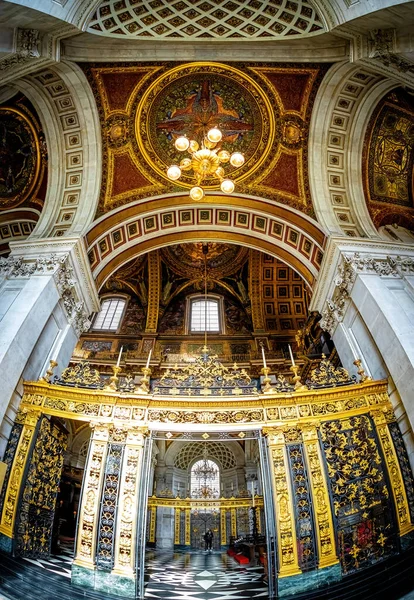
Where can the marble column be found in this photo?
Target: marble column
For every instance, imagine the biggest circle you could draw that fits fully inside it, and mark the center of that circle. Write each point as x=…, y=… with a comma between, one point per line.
x=365, y=294
x=165, y=527
x=46, y=296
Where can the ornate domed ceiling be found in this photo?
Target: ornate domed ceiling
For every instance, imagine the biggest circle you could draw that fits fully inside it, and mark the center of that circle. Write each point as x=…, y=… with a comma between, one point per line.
x=192, y=99
x=195, y=19
x=263, y=110
x=188, y=259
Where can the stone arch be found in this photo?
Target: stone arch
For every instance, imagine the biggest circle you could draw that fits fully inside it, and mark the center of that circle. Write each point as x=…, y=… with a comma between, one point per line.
x=343, y=105
x=177, y=446
x=67, y=110
x=281, y=231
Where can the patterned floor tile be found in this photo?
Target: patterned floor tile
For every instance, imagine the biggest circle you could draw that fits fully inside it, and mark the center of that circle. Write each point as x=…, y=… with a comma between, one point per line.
x=180, y=575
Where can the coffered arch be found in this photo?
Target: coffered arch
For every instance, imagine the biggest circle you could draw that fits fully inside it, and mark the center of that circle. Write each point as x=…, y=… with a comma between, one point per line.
x=182, y=455
x=68, y=113
x=260, y=224
x=343, y=106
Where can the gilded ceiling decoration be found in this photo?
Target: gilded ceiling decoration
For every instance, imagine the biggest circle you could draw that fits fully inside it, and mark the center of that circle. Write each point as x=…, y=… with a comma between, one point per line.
x=212, y=19
x=23, y=169
x=188, y=259
x=20, y=158
x=389, y=159
x=263, y=111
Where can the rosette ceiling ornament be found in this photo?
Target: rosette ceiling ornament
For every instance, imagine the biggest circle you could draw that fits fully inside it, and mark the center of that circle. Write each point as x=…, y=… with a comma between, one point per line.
x=206, y=160
x=205, y=126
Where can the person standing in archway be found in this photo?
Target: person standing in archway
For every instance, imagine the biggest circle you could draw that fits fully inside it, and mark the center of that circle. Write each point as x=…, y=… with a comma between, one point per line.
x=208, y=538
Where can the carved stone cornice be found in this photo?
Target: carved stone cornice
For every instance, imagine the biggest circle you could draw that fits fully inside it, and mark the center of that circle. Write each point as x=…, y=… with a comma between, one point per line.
x=32, y=51
x=383, y=44
x=376, y=50
x=348, y=269
x=65, y=261
x=17, y=266
x=58, y=266
x=338, y=247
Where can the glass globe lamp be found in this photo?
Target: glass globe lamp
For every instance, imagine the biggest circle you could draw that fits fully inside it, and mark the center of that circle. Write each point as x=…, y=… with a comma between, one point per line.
x=182, y=143
x=174, y=173
x=196, y=193
x=185, y=164
x=224, y=156
x=237, y=159
x=214, y=135
x=227, y=186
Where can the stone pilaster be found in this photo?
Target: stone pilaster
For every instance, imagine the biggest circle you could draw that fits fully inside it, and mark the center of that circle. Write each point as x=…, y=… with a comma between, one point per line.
x=286, y=532
x=89, y=505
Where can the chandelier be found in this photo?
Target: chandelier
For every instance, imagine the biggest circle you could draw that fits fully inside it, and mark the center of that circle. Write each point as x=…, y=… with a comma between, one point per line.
x=205, y=473
x=205, y=161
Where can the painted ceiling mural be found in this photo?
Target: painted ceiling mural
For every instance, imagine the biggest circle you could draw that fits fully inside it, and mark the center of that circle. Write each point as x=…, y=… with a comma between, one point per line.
x=262, y=109
x=388, y=161
x=23, y=169
x=201, y=19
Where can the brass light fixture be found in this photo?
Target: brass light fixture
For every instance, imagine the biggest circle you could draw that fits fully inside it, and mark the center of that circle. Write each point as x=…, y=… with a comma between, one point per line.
x=206, y=162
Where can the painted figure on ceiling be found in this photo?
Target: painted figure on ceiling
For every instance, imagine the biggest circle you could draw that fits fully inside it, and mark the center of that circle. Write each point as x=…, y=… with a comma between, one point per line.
x=204, y=109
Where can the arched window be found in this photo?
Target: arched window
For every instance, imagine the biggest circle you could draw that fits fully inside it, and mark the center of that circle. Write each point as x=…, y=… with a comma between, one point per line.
x=205, y=479
x=109, y=317
x=205, y=315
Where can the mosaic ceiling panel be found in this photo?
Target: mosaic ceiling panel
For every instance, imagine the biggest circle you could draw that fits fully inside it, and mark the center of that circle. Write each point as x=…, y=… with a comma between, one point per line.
x=389, y=160
x=200, y=19
x=188, y=259
x=263, y=111
x=23, y=170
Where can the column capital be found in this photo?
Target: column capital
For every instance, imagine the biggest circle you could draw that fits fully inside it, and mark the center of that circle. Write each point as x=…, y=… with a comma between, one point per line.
x=66, y=260
x=344, y=260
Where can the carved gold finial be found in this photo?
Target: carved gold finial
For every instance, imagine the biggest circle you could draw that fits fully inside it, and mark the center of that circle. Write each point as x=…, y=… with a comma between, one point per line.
x=266, y=380
x=144, y=387
x=46, y=377
x=299, y=387
x=362, y=375
x=113, y=386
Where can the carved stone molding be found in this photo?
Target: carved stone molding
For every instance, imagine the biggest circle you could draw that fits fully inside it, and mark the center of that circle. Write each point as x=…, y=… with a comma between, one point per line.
x=59, y=267
x=75, y=309
x=351, y=265
x=383, y=44
x=28, y=42
x=17, y=266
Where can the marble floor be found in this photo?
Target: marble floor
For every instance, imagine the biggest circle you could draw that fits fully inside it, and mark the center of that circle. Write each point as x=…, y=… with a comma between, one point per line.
x=201, y=576
x=188, y=575
x=60, y=563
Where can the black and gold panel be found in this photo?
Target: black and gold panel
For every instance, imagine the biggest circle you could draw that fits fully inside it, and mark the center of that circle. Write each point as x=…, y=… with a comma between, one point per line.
x=36, y=510
x=9, y=457
x=360, y=493
x=404, y=463
x=389, y=159
x=105, y=550
x=302, y=501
